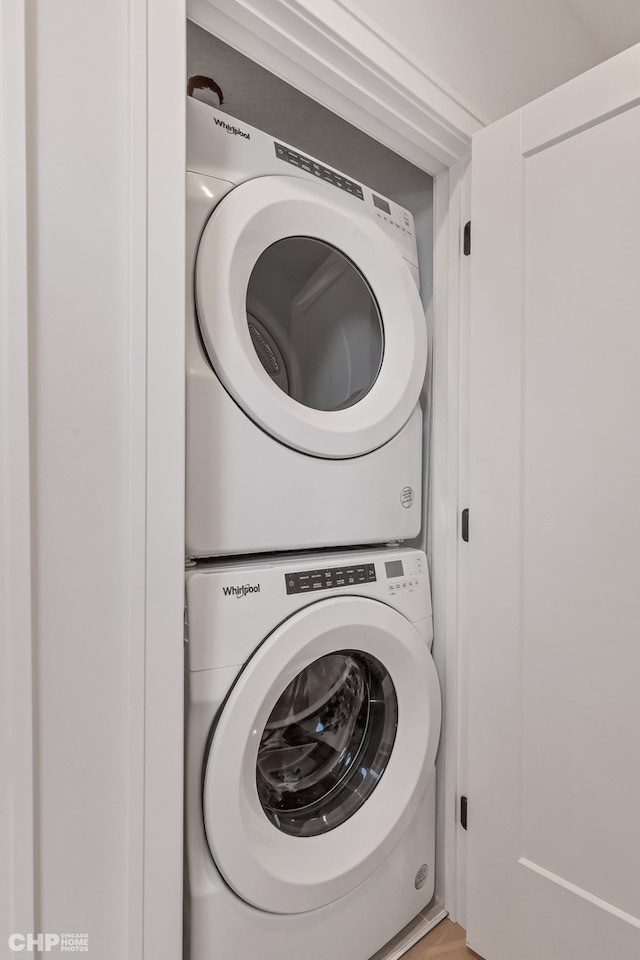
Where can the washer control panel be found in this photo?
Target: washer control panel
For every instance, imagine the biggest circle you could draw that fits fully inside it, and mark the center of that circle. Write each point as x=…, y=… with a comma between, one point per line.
x=307, y=581
x=403, y=574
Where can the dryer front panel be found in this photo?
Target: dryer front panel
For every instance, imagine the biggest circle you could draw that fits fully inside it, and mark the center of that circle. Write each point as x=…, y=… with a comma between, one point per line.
x=310, y=317
x=321, y=754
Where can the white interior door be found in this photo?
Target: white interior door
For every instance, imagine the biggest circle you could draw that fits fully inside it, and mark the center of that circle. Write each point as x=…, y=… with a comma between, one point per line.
x=554, y=636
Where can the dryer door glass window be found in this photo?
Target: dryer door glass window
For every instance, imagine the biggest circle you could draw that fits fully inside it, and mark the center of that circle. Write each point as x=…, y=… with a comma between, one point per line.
x=314, y=323
x=326, y=743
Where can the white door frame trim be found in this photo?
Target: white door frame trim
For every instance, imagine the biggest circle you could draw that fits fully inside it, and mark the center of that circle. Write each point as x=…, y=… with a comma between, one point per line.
x=158, y=390
x=17, y=882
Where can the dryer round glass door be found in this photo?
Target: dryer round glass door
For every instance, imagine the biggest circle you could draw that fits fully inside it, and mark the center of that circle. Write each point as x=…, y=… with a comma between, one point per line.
x=314, y=323
x=321, y=754
x=310, y=316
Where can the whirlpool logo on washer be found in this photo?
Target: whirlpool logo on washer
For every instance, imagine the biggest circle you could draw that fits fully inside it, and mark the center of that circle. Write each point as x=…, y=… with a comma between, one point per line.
x=236, y=131
x=241, y=591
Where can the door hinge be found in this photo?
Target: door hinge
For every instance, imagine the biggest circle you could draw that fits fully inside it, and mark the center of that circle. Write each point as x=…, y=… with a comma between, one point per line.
x=464, y=525
x=466, y=242
x=464, y=806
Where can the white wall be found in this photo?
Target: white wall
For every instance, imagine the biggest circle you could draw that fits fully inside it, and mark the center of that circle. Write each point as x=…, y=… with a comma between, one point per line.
x=615, y=24
x=496, y=55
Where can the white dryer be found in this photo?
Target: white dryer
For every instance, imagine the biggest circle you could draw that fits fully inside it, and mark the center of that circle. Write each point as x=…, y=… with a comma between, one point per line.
x=306, y=350
x=313, y=717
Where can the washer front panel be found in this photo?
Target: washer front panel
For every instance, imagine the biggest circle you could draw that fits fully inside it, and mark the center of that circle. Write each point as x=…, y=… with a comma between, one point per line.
x=254, y=217
x=289, y=872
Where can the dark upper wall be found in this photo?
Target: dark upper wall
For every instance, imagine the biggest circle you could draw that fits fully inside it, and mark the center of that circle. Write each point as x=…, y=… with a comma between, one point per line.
x=261, y=99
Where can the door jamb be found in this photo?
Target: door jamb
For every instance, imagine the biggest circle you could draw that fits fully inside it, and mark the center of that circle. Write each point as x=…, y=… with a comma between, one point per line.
x=17, y=842
x=342, y=60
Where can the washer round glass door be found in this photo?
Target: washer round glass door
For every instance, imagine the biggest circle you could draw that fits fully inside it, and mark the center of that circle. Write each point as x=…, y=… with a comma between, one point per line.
x=326, y=743
x=321, y=754
x=310, y=316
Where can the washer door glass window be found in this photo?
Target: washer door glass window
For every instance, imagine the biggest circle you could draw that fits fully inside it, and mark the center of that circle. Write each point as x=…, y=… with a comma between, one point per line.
x=326, y=743
x=314, y=323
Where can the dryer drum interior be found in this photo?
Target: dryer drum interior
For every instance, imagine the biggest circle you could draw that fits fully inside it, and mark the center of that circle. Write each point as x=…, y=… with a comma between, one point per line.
x=314, y=323
x=326, y=743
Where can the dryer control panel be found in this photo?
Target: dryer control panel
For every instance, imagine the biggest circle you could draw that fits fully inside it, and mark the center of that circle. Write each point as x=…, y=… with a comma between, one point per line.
x=326, y=174
x=231, y=150
x=389, y=214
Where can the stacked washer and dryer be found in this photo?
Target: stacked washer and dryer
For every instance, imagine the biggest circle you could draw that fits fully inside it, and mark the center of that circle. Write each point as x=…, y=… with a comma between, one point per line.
x=313, y=705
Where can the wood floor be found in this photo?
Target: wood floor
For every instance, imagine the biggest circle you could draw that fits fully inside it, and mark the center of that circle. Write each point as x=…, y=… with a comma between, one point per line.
x=444, y=942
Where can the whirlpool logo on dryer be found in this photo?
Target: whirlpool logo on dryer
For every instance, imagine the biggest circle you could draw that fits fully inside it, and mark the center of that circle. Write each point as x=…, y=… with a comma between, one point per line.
x=241, y=591
x=236, y=131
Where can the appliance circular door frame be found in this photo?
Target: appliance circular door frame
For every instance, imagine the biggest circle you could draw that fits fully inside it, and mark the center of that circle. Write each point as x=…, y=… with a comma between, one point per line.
x=251, y=218
x=280, y=873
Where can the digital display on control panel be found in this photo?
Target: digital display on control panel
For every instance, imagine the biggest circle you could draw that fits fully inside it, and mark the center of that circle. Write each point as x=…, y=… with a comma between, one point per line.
x=394, y=568
x=308, y=581
x=318, y=170
x=381, y=204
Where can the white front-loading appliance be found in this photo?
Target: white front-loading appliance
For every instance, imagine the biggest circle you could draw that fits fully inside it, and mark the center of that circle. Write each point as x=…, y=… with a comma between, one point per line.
x=313, y=716
x=306, y=350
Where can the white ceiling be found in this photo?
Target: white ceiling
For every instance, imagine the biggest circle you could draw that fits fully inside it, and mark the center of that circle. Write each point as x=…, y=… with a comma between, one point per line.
x=497, y=55
x=614, y=24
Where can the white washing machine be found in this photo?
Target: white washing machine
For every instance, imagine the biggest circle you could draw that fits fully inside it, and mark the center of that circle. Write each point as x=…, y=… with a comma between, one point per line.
x=313, y=717
x=306, y=350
